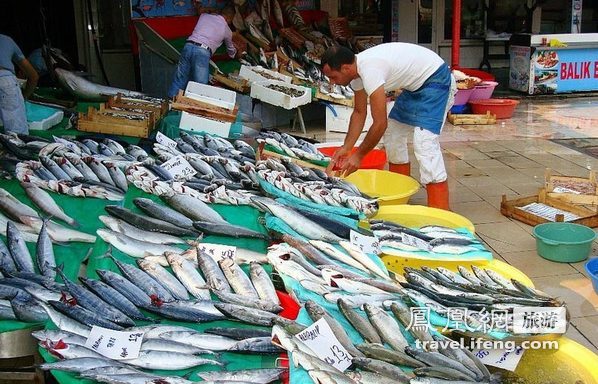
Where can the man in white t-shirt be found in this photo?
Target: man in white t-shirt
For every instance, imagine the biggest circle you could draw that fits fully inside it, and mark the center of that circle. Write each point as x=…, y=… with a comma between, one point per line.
x=427, y=93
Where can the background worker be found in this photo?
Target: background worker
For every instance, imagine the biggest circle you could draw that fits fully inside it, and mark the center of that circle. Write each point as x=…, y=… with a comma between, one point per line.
x=209, y=33
x=427, y=93
x=12, y=103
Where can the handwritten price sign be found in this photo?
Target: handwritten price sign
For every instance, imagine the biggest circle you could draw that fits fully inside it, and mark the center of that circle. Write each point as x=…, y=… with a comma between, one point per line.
x=218, y=251
x=321, y=340
x=179, y=168
x=368, y=244
x=502, y=358
x=165, y=140
x=116, y=345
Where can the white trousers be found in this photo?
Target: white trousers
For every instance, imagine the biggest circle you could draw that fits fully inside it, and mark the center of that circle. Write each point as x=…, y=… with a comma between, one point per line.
x=426, y=145
x=12, y=106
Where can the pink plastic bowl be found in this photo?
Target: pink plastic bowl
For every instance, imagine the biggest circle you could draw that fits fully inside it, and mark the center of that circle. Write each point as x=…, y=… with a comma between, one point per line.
x=462, y=96
x=483, y=91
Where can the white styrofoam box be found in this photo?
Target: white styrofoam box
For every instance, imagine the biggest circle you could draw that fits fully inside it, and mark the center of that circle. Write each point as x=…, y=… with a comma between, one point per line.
x=260, y=90
x=41, y=117
x=250, y=73
x=340, y=122
x=214, y=95
x=196, y=123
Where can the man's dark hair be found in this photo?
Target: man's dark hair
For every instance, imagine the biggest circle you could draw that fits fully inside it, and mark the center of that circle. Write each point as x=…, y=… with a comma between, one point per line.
x=336, y=56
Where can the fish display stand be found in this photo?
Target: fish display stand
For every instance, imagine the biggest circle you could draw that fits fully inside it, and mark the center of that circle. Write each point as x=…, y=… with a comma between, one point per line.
x=510, y=208
x=18, y=352
x=574, y=190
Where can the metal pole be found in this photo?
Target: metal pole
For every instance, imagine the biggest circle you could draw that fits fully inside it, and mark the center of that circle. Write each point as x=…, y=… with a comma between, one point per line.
x=456, y=41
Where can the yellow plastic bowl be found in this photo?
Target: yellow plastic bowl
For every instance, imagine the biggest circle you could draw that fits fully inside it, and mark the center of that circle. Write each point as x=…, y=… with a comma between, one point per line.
x=415, y=216
x=572, y=363
x=390, y=188
x=397, y=265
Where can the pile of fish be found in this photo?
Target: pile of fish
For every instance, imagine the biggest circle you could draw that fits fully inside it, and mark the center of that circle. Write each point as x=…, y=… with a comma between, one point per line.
x=26, y=223
x=16, y=147
x=160, y=227
x=83, y=168
x=432, y=238
x=116, y=301
x=291, y=146
x=372, y=361
x=473, y=295
x=314, y=186
x=293, y=92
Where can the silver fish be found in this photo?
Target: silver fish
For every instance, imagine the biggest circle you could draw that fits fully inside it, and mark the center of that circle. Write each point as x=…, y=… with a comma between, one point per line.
x=47, y=204
x=87, y=90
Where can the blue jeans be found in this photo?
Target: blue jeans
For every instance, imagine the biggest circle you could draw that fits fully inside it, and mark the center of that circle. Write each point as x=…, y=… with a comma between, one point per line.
x=12, y=106
x=194, y=64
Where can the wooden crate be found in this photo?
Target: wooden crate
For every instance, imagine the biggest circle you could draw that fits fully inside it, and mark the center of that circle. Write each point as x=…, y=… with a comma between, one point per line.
x=470, y=119
x=509, y=208
x=197, y=107
x=94, y=121
x=105, y=109
x=590, y=197
x=241, y=86
x=127, y=103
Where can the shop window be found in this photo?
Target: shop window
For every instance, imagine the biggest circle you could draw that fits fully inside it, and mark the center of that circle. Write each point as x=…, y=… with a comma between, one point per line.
x=472, y=19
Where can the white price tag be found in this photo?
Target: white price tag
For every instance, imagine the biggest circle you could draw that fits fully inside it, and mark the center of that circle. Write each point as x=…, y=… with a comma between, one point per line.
x=113, y=344
x=415, y=242
x=321, y=340
x=165, y=140
x=501, y=358
x=368, y=244
x=218, y=251
x=179, y=168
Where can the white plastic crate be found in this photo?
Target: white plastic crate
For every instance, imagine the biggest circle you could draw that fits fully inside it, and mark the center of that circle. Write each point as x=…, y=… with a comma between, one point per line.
x=260, y=90
x=251, y=74
x=214, y=95
x=340, y=122
x=196, y=123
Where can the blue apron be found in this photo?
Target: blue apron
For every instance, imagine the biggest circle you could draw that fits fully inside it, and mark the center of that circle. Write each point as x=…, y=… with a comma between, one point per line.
x=425, y=107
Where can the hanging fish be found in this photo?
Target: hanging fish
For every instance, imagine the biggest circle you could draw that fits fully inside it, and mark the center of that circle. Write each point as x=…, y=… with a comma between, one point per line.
x=267, y=30
x=264, y=11
x=263, y=59
x=278, y=13
x=238, y=21
x=255, y=32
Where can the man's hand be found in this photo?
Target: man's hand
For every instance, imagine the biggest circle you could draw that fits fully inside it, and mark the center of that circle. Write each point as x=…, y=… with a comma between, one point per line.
x=338, y=160
x=352, y=164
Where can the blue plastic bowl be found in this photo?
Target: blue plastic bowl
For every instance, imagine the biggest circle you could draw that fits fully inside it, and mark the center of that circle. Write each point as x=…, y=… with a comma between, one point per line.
x=592, y=270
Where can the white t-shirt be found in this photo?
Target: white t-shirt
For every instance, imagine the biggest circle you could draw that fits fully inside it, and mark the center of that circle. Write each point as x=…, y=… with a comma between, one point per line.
x=396, y=66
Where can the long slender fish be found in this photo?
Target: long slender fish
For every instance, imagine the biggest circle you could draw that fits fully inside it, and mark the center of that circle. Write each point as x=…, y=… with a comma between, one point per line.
x=47, y=204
